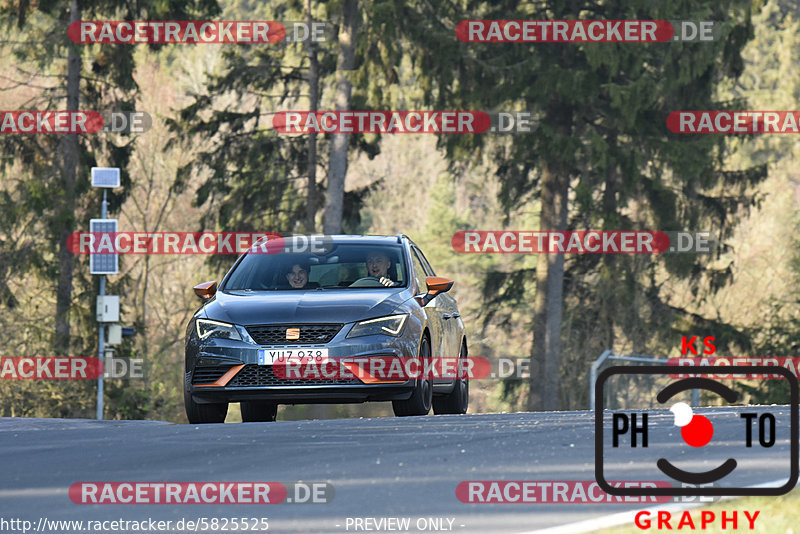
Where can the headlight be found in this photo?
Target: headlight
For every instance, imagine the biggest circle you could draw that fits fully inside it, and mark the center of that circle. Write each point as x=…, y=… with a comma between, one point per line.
x=207, y=328
x=391, y=325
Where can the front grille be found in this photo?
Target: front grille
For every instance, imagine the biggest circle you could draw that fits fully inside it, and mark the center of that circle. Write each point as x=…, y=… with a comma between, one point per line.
x=310, y=334
x=262, y=375
x=208, y=375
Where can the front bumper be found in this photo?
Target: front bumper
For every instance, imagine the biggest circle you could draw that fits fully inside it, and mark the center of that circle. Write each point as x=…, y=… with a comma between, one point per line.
x=311, y=394
x=223, y=370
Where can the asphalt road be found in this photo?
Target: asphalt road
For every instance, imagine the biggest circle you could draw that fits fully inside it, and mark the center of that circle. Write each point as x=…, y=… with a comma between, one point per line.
x=379, y=468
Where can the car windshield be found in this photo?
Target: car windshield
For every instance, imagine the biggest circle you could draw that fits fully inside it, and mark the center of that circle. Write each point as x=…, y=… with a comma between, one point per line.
x=342, y=266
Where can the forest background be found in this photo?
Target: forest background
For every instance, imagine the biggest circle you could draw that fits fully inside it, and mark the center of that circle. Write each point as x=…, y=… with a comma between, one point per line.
x=601, y=158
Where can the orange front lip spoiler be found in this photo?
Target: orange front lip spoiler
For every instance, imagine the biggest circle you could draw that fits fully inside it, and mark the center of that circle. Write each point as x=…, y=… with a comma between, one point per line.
x=224, y=379
x=365, y=377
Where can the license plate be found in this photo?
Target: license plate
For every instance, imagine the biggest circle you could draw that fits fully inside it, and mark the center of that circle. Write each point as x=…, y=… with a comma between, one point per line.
x=270, y=356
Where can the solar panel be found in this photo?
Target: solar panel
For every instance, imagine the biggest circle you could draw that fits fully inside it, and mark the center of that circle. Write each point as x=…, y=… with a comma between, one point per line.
x=105, y=177
x=103, y=263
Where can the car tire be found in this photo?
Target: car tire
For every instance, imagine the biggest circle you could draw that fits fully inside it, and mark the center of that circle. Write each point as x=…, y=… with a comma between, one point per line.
x=258, y=411
x=457, y=401
x=203, y=413
x=421, y=400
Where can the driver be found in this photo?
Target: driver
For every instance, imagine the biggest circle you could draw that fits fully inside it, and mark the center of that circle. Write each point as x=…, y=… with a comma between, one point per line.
x=378, y=265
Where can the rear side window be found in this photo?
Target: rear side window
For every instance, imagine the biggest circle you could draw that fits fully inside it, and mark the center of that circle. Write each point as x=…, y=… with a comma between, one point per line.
x=419, y=271
x=425, y=264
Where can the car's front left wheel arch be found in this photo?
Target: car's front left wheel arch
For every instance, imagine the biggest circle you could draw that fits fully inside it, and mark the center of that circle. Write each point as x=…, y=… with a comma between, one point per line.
x=198, y=413
x=457, y=401
x=421, y=400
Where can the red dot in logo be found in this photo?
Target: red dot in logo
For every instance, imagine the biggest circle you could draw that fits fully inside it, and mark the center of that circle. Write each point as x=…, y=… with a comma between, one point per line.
x=698, y=432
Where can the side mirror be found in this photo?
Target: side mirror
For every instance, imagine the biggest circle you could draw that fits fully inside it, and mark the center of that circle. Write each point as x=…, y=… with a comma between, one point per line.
x=436, y=285
x=206, y=290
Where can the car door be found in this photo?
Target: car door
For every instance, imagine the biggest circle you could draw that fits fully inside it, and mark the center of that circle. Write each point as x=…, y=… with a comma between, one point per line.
x=448, y=307
x=432, y=310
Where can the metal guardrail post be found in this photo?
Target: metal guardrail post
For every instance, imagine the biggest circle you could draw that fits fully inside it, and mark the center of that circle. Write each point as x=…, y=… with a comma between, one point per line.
x=593, y=375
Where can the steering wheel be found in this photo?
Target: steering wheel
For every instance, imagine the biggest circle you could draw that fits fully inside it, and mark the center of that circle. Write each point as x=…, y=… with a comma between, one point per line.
x=361, y=281
x=368, y=281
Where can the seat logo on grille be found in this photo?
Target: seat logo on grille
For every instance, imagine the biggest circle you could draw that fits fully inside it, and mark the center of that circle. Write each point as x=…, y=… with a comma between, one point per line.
x=292, y=333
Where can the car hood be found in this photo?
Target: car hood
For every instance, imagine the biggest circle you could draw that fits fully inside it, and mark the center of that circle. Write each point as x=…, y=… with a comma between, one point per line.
x=312, y=306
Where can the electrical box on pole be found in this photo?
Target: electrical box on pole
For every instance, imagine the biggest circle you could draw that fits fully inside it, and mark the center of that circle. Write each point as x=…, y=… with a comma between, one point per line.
x=114, y=334
x=108, y=308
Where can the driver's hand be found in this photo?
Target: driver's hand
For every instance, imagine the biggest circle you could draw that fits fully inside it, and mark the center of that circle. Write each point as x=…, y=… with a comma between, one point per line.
x=386, y=281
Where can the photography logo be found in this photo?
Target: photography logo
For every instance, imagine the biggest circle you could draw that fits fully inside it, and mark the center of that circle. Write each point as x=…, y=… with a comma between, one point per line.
x=645, y=442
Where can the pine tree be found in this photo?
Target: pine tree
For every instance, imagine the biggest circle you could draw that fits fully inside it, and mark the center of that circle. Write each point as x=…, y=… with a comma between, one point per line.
x=601, y=141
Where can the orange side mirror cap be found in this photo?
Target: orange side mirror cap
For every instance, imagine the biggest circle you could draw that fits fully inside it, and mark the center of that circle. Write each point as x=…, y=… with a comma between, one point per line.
x=436, y=285
x=206, y=290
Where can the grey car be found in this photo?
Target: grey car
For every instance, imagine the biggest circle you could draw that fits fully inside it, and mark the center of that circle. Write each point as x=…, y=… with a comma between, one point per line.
x=325, y=300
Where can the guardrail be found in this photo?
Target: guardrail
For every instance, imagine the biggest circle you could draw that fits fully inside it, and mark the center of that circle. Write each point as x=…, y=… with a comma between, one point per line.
x=609, y=355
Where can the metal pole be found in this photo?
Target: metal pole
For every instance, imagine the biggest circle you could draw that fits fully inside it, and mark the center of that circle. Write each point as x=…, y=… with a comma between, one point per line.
x=100, y=350
x=593, y=375
x=101, y=329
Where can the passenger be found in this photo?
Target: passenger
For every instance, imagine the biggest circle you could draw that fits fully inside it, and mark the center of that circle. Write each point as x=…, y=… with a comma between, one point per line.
x=298, y=276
